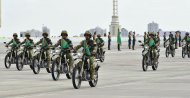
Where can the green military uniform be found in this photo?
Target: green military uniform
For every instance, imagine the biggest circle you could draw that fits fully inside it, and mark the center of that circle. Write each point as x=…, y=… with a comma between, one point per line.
x=100, y=43
x=171, y=40
x=89, y=47
x=45, y=45
x=151, y=42
x=119, y=40
x=187, y=39
x=14, y=43
x=28, y=44
x=66, y=44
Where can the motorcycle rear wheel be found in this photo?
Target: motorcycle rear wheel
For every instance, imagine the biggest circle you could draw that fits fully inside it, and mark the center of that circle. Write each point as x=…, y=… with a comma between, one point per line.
x=144, y=65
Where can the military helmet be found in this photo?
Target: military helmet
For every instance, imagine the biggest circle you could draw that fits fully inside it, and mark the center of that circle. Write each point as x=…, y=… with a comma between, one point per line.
x=64, y=33
x=15, y=34
x=87, y=33
x=152, y=34
x=187, y=34
x=27, y=34
x=99, y=35
x=45, y=34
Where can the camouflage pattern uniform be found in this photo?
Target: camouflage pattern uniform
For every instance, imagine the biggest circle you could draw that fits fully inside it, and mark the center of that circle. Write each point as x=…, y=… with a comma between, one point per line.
x=171, y=40
x=29, y=45
x=100, y=43
x=14, y=43
x=45, y=45
x=66, y=44
x=89, y=48
x=186, y=39
x=152, y=43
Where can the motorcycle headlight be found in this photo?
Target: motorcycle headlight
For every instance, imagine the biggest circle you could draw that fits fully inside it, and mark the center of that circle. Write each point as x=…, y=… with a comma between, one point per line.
x=21, y=48
x=57, y=51
x=146, y=47
x=9, y=48
x=37, y=49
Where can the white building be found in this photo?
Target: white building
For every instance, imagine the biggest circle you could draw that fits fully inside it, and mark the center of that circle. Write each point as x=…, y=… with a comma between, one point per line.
x=153, y=27
x=46, y=30
x=33, y=33
x=124, y=32
x=36, y=33
x=98, y=30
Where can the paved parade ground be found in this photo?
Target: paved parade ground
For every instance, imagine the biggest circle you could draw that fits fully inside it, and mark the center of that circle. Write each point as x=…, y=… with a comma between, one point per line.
x=120, y=76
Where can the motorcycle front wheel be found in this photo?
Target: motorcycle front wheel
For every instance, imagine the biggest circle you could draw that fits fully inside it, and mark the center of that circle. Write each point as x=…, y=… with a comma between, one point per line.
x=155, y=66
x=19, y=63
x=55, y=71
x=76, y=78
x=173, y=53
x=7, y=61
x=144, y=64
x=183, y=53
x=94, y=82
x=167, y=52
x=36, y=66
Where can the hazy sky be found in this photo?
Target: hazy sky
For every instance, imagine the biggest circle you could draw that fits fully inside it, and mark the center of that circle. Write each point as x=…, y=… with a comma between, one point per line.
x=76, y=16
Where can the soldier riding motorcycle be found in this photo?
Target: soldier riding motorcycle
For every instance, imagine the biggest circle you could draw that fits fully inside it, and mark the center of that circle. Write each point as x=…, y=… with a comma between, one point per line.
x=11, y=56
x=42, y=55
x=62, y=58
x=25, y=53
x=86, y=70
x=100, y=54
x=169, y=44
x=186, y=46
x=150, y=53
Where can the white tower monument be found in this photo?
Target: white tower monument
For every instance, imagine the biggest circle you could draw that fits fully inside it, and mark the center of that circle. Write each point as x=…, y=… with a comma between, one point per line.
x=0, y=13
x=115, y=19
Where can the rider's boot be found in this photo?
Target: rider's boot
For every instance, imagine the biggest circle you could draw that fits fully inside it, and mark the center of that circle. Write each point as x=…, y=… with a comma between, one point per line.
x=49, y=64
x=71, y=69
x=92, y=72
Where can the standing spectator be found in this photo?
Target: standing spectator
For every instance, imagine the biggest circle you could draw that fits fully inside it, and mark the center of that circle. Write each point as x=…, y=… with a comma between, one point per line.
x=129, y=40
x=179, y=39
x=119, y=40
x=109, y=41
x=176, y=39
x=134, y=40
x=164, y=39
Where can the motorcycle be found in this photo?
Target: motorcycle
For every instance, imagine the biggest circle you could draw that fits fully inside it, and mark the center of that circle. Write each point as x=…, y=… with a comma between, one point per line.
x=81, y=72
x=11, y=57
x=185, y=49
x=100, y=54
x=60, y=64
x=40, y=60
x=149, y=58
x=23, y=58
x=169, y=49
